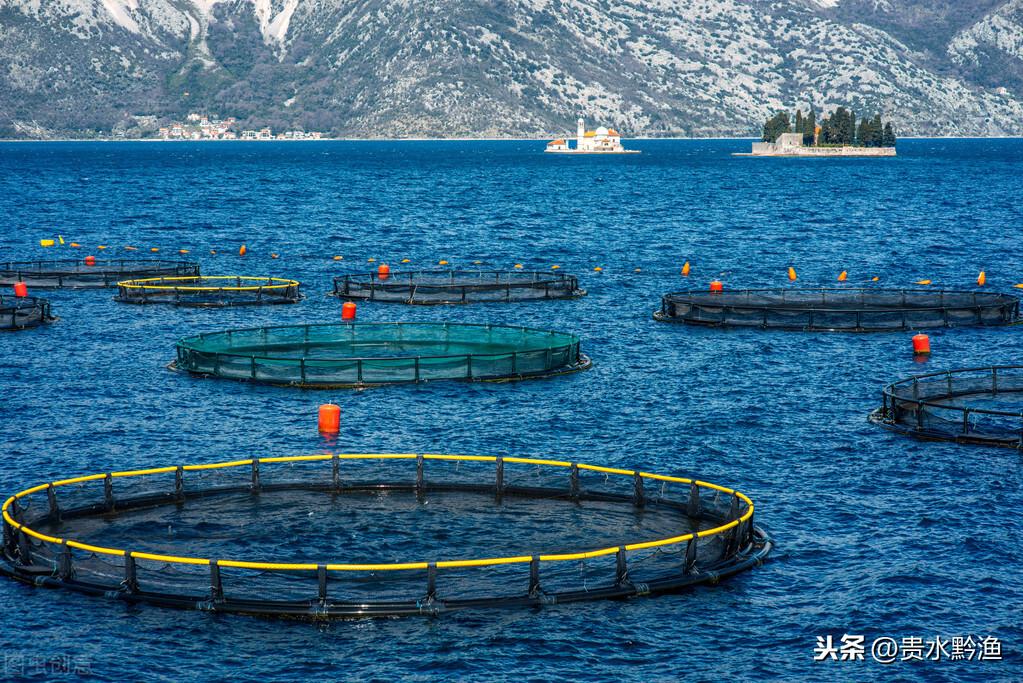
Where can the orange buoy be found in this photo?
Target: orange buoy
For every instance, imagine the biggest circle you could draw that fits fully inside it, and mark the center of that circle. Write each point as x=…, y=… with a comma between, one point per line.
x=921, y=345
x=923, y=282
x=874, y=279
x=685, y=269
x=337, y=258
x=20, y=289
x=242, y=250
x=842, y=276
x=275, y=255
x=792, y=273
x=155, y=249
x=981, y=279
x=329, y=419
x=75, y=245
x=383, y=271
x=90, y=260
x=598, y=269
x=716, y=286
x=348, y=310
x=442, y=262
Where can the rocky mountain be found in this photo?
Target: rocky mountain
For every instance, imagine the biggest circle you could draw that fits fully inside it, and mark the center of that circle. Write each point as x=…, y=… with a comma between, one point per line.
x=396, y=68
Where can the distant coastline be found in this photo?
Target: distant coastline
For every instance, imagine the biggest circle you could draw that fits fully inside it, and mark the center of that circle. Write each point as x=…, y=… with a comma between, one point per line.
x=466, y=139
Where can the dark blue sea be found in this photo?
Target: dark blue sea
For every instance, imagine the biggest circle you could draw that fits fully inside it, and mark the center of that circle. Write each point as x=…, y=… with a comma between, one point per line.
x=877, y=535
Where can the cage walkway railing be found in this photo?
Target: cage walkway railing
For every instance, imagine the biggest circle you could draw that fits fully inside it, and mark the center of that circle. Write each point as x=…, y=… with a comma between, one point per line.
x=934, y=390
x=736, y=530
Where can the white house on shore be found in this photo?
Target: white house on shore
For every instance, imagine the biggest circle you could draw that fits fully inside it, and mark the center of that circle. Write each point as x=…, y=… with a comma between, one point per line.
x=600, y=141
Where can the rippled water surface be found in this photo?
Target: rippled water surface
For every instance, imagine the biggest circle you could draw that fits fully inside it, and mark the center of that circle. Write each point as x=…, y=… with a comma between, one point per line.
x=876, y=534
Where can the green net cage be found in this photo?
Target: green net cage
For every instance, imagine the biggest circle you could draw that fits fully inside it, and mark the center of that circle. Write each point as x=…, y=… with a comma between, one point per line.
x=839, y=310
x=457, y=286
x=210, y=290
x=392, y=534
x=21, y=312
x=77, y=274
x=969, y=405
x=366, y=354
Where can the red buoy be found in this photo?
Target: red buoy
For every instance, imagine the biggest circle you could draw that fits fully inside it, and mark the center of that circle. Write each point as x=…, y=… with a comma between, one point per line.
x=921, y=345
x=716, y=286
x=383, y=271
x=20, y=289
x=330, y=419
x=90, y=260
x=348, y=310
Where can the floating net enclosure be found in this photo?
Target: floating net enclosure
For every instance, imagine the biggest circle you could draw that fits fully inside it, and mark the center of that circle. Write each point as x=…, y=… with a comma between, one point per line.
x=366, y=354
x=73, y=273
x=374, y=535
x=210, y=290
x=17, y=313
x=457, y=286
x=849, y=310
x=974, y=405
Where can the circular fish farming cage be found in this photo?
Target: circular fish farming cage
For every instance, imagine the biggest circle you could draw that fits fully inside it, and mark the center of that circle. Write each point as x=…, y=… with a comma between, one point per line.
x=973, y=405
x=352, y=355
x=210, y=290
x=76, y=274
x=457, y=286
x=415, y=534
x=18, y=313
x=839, y=310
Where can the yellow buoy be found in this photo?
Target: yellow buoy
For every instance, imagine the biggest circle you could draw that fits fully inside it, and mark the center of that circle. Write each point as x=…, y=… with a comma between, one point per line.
x=477, y=263
x=61, y=238
x=981, y=279
x=518, y=265
x=370, y=260
x=46, y=243
x=874, y=279
x=555, y=267
x=442, y=262
x=792, y=273
x=154, y=249
x=685, y=269
x=638, y=270
x=182, y=251
x=406, y=260
x=842, y=276
x=337, y=258
x=923, y=282
x=598, y=269
x=1019, y=286
x=101, y=246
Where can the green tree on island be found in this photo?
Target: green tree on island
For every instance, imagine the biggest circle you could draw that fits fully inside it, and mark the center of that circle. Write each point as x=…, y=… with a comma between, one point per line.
x=839, y=129
x=776, y=125
x=810, y=129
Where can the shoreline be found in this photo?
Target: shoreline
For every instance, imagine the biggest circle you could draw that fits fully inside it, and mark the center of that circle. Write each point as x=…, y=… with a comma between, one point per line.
x=485, y=139
x=475, y=139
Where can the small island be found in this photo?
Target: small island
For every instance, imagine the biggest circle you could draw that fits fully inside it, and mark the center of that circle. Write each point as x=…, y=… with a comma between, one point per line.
x=600, y=141
x=835, y=136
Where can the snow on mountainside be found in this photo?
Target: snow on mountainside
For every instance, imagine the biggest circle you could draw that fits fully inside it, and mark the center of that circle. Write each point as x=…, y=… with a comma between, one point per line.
x=509, y=67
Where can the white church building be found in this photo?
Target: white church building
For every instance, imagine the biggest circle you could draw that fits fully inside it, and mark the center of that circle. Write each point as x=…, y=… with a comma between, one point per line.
x=600, y=141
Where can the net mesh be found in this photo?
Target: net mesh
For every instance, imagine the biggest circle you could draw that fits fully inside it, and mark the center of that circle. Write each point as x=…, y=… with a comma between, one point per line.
x=381, y=511
x=358, y=354
x=973, y=405
x=78, y=274
x=234, y=290
x=854, y=310
x=17, y=313
x=457, y=286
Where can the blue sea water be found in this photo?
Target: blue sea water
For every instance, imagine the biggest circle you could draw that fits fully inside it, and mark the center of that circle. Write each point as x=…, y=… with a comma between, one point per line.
x=876, y=534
